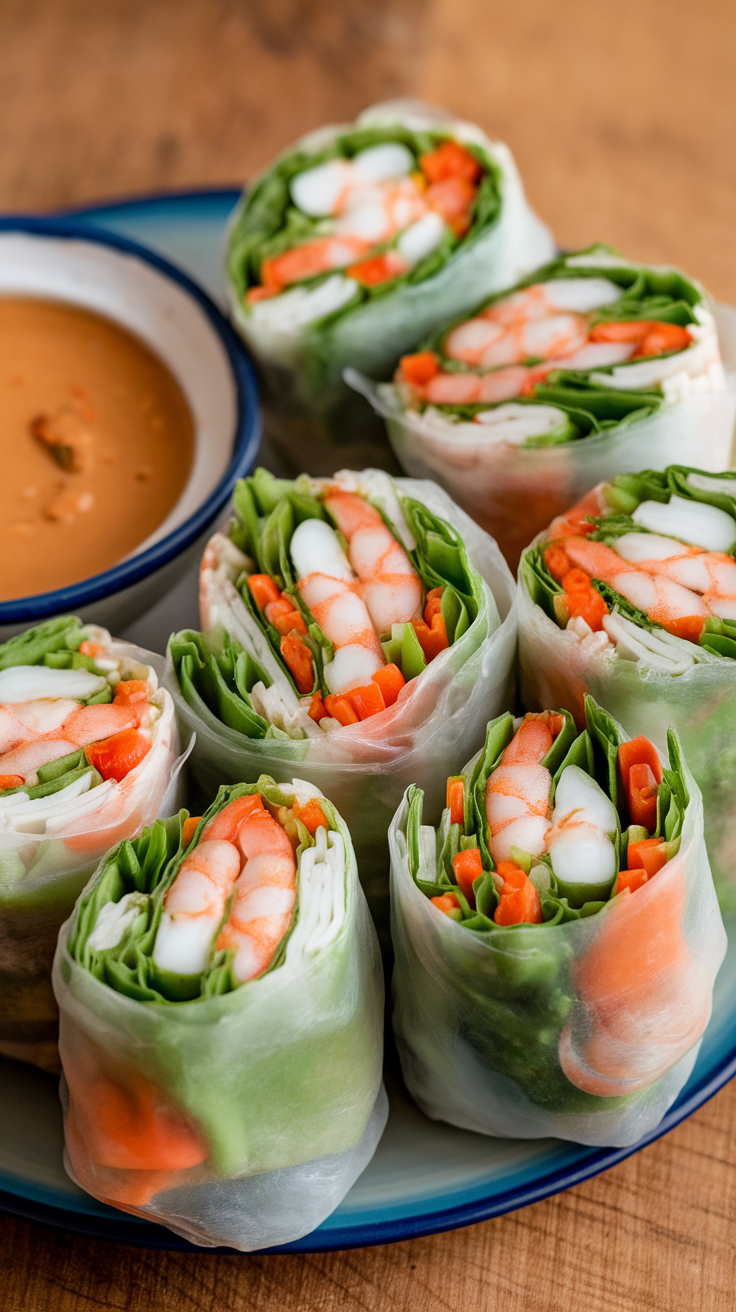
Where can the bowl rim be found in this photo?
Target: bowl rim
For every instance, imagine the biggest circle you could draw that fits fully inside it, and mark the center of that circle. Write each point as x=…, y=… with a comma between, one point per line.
x=247, y=435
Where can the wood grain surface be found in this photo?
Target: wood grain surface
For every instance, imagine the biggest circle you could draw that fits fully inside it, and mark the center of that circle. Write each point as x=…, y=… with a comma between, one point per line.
x=623, y=120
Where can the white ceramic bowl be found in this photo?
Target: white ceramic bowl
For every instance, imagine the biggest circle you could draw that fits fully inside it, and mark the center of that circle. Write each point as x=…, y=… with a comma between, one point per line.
x=75, y=262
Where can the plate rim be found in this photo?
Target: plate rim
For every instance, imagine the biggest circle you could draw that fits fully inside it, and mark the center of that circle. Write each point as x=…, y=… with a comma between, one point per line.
x=138, y=1233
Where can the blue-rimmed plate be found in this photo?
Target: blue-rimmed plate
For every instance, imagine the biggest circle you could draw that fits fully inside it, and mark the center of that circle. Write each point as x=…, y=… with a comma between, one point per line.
x=425, y=1176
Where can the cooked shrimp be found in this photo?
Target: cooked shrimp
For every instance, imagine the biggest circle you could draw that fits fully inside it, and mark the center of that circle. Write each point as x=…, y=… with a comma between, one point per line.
x=194, y=907
x=265, y=894
x=548, y=324
x=329, y=588
x=662, y=599
x=364, y=203
x=389, y=584
x=518, y=792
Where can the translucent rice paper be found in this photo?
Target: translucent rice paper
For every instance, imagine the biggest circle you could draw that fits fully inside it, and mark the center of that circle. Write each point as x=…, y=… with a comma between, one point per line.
x=427, y=734
x=617, y=1003
x=557, y=669
x=60, y=861
x=305, y=397
x=515, y=491
x=281, y=1078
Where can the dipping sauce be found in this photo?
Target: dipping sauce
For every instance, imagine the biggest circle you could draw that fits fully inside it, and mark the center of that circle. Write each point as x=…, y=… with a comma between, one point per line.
x=97, y=442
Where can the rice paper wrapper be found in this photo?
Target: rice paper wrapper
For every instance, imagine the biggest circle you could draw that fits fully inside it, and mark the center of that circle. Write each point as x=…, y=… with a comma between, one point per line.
x=585, y=1030
x=514, y=492
x=306, y=400
x=556, y=669
x=279, y=1080
x=58, y=863
x=365, y=768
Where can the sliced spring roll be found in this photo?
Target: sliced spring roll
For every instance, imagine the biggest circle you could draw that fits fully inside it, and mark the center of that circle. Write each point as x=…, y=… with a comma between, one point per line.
x=352, y=625
x=221, y=1004
x=88, y=746
x=557, y=935
x=356, y=243
x=590, y=366
x=631, y=596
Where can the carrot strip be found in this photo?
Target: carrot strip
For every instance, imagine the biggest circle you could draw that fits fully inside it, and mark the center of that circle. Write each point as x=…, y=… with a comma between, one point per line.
x=466, y=867
x=649, y=854
x=637, y=751
x=446, y=903
x=642, y=796
x=378, y=269
x=341, y=709
x=456, y=801
x=418, y=369
x=631, y=879
x=367, y=700
x=317, y=709
x=450, y=160
x=189, y=828
x=519, y=904
x=311, y=815
x=262, y=589
x=298, y=658
x=390, y=680
x=11, y=781
x=116, y=756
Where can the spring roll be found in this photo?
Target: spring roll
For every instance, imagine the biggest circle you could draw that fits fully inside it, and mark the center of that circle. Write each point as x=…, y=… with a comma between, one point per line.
x=88, y=747
x=590, y=366
x=357, y=242
x=221, y=1003
x=557, y=935
x=632, y=597
x=352, y=626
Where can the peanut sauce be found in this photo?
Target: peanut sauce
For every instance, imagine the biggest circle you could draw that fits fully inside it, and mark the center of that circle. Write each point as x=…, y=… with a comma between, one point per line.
x=97, y=444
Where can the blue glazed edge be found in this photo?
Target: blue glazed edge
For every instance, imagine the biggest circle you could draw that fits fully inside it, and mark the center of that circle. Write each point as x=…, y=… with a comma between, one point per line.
x=245, y=446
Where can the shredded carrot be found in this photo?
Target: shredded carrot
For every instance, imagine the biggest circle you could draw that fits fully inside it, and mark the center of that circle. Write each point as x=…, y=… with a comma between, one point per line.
x=447, y=903
x=131, y=691
x=519, y=903
x=466, y=867
x=298, y=659
x=633, y=330
x=649, y=854
x=418, y=369
x=262, y=589
x=341, y=710
x=390, y=680
x=631, y=879
x=311, y=815
x=189, y=828
x=367, y=700
x=450, y=160
x=11, y=781
x=116, y=756
x=456, y=801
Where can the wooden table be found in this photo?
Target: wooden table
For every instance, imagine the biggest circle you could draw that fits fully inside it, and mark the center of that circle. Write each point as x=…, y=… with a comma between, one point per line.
x=622, y=117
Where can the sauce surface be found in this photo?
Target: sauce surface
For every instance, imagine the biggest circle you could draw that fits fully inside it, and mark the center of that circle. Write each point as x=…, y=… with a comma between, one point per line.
x=97, y=442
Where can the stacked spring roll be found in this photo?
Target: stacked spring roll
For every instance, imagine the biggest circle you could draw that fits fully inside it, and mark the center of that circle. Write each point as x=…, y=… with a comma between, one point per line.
x=88, y=743
x=356, y=243
x=557, y=935
x=221, y=1006
x=632, y=597
x=590, y=366
x=352, y=626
